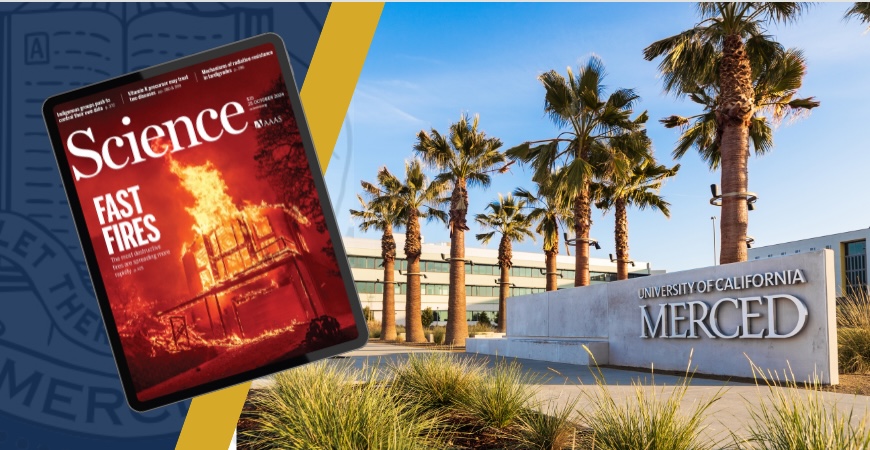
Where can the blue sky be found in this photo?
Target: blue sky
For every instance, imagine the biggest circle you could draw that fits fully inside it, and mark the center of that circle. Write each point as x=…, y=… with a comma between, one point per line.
x=429, y=63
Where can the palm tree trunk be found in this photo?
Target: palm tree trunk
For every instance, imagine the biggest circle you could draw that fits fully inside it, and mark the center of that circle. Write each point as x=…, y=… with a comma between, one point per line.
x=457, y=324
x=504, y=261
x=388, y=319
x=550, y=262
x=620, y=233
x=734, y=117
x=582, y=223
x=413, y=319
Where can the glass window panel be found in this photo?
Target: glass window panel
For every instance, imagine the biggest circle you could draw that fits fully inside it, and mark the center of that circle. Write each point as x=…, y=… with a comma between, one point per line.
x=856, y=248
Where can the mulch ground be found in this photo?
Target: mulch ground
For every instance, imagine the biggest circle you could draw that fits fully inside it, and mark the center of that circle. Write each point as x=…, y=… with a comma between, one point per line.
x=851, y=384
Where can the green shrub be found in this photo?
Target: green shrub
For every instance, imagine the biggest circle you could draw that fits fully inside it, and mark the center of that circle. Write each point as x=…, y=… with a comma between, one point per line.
x=499, y=399
x=438, y=334
x=649, y=420
x=480, y=328
x=853, y=332
x=854, y=350
x=853, y=311
x=483, y=319
x=427, y=317
x=550, y=429
x=367, y=313
x=799, y=419
x=322, y=406
x=374, y=329
x=436, y=381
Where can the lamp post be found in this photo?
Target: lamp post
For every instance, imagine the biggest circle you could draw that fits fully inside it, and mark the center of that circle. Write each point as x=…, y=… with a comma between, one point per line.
x=713, y=218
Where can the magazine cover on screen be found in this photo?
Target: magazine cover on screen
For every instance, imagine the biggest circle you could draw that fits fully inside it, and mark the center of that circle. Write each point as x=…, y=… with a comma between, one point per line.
x=205, y=221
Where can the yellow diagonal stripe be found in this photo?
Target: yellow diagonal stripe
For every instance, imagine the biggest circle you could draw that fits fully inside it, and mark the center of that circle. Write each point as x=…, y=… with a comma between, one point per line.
x=328, y=88
x=335, y=68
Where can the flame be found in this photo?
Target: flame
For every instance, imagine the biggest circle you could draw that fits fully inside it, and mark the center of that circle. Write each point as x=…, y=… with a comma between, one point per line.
x=230, y=244
x=213, y=205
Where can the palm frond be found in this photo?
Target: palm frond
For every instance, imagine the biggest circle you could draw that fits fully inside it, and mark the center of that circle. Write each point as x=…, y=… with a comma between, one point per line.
x=860, y=11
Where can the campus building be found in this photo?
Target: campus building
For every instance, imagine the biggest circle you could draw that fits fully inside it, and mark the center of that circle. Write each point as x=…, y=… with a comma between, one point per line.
x=481, y=276
x=850, y=255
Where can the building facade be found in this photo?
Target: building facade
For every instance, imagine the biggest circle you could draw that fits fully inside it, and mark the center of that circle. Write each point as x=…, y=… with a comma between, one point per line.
x=850, y=255
x=481, y=276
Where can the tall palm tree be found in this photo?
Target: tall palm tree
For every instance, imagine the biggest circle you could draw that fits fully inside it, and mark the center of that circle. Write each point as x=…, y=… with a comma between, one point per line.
x=775, y=88
x=638, y=188
x=725, y=50
x=506, y=217
x=861, y=11
x=578, y=105
x=551, y=212
x=382, y=214
x=466, y=157
x=414, y=198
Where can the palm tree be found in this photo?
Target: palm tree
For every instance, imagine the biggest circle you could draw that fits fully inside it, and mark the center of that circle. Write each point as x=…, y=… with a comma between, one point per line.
x=775, y=88
x=861, y=11
x=382, y=214
x=727, y=50
x=506, y=218
x=550, y=212
x=638, y=188
x=416, y=198
x=466, y=158
x=590, y=118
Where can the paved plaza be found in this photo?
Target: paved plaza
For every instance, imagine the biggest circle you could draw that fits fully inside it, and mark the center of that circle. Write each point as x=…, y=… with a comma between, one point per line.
x=564, y=382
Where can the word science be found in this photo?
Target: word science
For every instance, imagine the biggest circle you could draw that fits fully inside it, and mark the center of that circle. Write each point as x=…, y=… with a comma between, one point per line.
x=743, y=316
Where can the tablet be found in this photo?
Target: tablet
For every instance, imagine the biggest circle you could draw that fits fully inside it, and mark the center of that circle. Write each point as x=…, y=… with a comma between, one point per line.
x=205, y=222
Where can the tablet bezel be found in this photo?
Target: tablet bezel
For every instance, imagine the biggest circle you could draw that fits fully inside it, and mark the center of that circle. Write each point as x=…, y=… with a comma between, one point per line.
x=88, y=247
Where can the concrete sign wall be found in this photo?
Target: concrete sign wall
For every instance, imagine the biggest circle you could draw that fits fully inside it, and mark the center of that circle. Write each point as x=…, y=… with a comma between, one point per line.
x=776, y=312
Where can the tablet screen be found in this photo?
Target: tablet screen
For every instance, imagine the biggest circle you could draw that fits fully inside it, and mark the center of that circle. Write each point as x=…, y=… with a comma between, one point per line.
x=205, y=224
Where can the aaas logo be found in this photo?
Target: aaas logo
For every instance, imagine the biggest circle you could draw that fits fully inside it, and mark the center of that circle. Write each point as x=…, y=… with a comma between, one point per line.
x=268, y=122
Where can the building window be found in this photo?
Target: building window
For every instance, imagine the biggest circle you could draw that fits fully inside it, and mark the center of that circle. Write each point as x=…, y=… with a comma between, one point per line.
x=812, y=249
x=365, y=262
x=435, y=289
x=855, y=259
x=797, y=251
x=369, y=287
x=435, y=266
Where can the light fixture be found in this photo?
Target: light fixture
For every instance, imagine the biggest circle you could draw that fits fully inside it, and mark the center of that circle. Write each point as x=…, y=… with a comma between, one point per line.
x=751, y=197
x=558, y=273
x=405, y=274
x=466, y=261
x=612, y=259
x=499, y=282
x=590, y=241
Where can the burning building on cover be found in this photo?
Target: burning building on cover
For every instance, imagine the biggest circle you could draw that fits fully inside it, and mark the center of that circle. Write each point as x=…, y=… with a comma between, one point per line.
x=244, y=268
